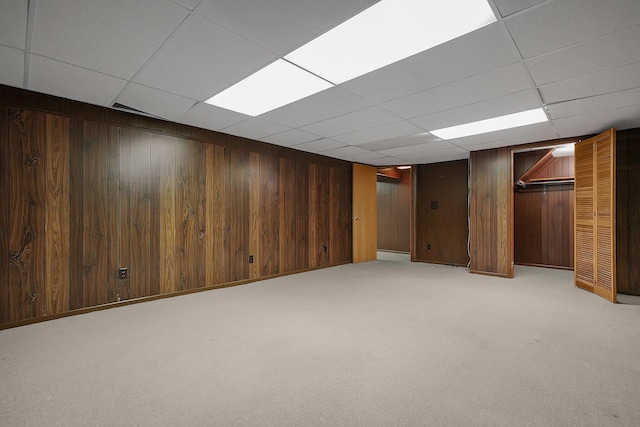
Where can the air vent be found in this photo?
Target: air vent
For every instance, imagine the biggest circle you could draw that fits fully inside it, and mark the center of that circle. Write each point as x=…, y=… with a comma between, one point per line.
x=126, y=108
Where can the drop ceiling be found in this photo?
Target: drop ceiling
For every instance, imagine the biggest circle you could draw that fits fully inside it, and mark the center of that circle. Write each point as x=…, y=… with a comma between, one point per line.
x=579, y=59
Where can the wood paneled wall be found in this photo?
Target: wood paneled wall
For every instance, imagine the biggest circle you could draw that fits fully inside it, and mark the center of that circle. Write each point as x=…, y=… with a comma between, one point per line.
x=628, y=211
x=543, y=224
x=394, y=213
x=87, y=197
x=543, y=214
x=441, y=212
x=491, y=212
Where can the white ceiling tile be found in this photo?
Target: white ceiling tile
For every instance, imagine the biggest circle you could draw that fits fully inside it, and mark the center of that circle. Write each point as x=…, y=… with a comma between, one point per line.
x=612, y=80
x=625, y=98
x=189, y=4
x=385, y=161
x=509, y=7
x=68, y=81
x=501, y=106
x=521, y=135
x=492, y=84
x=378, y=133
x=115, y=37
x=429, y=147
x=365, y=157
x=402, y=141
x=558, y=24
x=217, y=59
x=11, y=66
x=13, y=22
x=610, y=51
x=255, y=128
x=594, y=123
x=341, y=152
x=291, y=137
x=154, y=101
x=441, y=158
x=280, y=25
x=477, y=52
x=210, y=117
x=319, y=145
x=357, y=120
x=324, y=105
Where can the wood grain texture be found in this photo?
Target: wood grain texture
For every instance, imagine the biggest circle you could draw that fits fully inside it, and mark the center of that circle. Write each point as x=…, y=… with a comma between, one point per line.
x=628, y=211
x=5, y=182
x=268, y=258
x=490, y=212
x=444, y=226
x=126, y=188
x=394, y=219
x=95, y=209
x=365, y=213
x=76, y=216
x=341, y=243
x=168, y=185
x=56, y=158
x=27, y=214
x=255, y=225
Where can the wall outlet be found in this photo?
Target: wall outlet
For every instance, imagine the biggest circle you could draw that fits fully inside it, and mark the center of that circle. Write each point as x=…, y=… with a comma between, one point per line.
x=250, y=259
x=434, y=205
x=428, y=245
x=122, y=273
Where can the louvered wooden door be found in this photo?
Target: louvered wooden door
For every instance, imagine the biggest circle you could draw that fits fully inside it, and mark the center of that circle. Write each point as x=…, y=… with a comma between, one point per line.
x=595, y=244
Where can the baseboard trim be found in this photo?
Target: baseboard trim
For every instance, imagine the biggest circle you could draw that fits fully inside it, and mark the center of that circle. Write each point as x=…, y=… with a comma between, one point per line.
x=107, y=306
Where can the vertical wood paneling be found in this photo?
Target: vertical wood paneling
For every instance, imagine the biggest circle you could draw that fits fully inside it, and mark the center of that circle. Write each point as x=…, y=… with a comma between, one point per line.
x=125, y=224
x=394, y=201
x=268, y=217
x=302, y=215
x=168, y=180
x=340, y=221
x=199, y=163
x=140, y=215
x=76, y=217
x=491, y=227
x=628, y=211
x=237, y=214
x=27, y=214
x=287, y=182
x=113, y=215
x=255, y=225
x=57, y=211
x=154, y=213
x=444, y=227
x=216, y=175
x=95, y=214
x=87, y=197
x=5, y=182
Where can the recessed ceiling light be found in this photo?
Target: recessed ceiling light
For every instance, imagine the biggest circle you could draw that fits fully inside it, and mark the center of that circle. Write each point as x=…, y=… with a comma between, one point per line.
x=509, y=121
x=387, y=32
x=404, y=167
x=384, y=33
x=277, y=84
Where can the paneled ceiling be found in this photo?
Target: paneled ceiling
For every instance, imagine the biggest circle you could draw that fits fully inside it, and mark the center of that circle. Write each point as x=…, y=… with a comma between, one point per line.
x=579, y=59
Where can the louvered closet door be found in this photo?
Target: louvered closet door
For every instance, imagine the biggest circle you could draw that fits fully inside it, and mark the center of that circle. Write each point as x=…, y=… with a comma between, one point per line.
x=595, y=215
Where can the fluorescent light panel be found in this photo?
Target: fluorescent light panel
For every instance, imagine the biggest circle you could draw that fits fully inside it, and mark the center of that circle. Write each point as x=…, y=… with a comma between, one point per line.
x=277, y=84
x=386, y=32
x=509, y=121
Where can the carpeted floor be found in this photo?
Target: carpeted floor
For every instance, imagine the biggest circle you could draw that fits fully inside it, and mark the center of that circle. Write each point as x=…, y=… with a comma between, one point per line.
x=384, y=343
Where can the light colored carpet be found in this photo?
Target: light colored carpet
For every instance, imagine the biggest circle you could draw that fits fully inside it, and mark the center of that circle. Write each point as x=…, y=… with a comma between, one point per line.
x=384, y=343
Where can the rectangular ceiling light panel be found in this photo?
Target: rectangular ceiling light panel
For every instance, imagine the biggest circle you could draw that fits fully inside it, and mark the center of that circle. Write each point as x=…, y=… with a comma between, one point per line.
x=277, y=84
x=509, y=121
x=387, y=32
